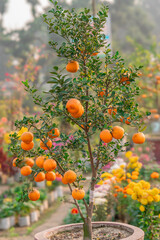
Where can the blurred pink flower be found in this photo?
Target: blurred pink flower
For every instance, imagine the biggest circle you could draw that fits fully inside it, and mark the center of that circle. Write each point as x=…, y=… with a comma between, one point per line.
x=147, y=149
x=132, y=149
x=105, y=144
x=7, y=74
x=140, y=149
x=4, y=119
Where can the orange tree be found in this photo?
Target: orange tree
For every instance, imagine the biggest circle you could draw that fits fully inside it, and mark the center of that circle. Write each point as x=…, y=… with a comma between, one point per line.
x=97, y=98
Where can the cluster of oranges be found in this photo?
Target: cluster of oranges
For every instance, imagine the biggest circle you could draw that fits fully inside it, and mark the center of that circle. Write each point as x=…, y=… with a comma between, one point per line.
x=142, y=192
x=27, y=141
x=117, y=132
x=75, y=108
x=45, y=171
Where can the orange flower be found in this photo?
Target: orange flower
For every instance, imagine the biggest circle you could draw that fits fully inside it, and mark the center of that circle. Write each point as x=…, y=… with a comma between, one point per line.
x=155, y=175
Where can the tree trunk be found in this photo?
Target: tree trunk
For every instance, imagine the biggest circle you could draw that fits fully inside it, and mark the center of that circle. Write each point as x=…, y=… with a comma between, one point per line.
x=87, y=229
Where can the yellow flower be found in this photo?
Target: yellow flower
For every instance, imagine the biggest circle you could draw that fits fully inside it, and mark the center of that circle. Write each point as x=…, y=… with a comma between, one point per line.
x=150, y=199
x=100, y=183
x=145, y=195
x=122, y=166
x=7, y=138
x=156, y=198
x=142, y=208
x=128, y=154
x=154, y=191
x=49, y=183
x=129, y=191
x=128, y=175
x=159, y=215
x=7, y=200
x=106, y=175
x=144, y=201
x=134, y=196
x=22, y=130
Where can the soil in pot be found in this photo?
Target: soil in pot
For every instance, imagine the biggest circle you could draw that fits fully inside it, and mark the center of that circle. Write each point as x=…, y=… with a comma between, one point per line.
x=99, y=233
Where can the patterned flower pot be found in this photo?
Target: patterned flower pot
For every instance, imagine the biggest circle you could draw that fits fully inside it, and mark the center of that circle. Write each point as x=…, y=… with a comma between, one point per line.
x=135, y=233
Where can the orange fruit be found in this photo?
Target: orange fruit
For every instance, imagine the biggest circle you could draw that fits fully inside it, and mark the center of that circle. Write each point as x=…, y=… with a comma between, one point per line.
x=156, y=116
x=73, y=106
x=43, y=145
x=106, y=136
x=117, y=132
x=79, y=113
x=26, y=170
x=70, y=176
x=14, y=162
x=78, y=194
x=49, y=164
x=144, y=96
x=94, y=54
x=29, y=162
x=112, y=111
x=27, y=137
x=34, y=195
x=153, y=110
x=128, y=121
x=138, y=138
x=27, y=146
x=55, y=134
x=125, y=79
x=102, y=93
x=72, y=66
x=157, y=78
x=50, y=176
x=40, y=161
x=64, y=181
x=150, y=75
x=58, y=175
x=39, y=177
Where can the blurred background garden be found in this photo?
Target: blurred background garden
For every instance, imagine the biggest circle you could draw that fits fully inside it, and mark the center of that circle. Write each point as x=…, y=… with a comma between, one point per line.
x=132, y=28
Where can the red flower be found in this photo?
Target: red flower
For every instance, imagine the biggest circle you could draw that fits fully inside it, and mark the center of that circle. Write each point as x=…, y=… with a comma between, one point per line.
x=74, y=211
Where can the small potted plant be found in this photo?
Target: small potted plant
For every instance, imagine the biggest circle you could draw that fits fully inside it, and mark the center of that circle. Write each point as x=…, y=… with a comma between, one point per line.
x=6, y=217
x=24, y=215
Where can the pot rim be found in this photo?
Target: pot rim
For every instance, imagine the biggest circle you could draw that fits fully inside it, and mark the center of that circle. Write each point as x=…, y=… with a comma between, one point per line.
x=136, y=233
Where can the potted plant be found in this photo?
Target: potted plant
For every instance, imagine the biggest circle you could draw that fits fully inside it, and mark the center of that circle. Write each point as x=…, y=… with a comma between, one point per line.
x=24, y=215
x=97, y=100
x=7, y=218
